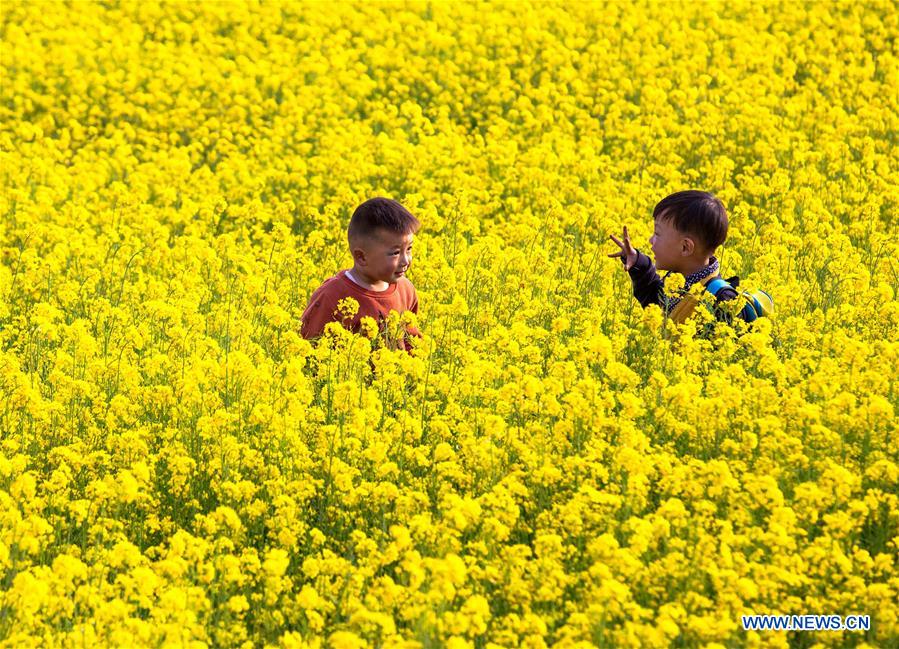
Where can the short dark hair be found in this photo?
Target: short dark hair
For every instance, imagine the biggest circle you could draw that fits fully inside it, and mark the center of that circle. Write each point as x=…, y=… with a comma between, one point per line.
x=381, y=213
x=697, y=213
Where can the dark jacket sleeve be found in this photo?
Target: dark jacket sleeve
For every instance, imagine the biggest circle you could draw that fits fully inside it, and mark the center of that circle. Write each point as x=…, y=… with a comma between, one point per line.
x=646, y=281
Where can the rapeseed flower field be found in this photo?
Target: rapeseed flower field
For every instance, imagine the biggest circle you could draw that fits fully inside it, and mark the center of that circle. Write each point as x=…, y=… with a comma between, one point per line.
x=551, y=465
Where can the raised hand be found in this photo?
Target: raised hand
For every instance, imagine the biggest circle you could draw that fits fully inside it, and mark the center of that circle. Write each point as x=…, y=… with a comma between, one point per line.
x=627, y=252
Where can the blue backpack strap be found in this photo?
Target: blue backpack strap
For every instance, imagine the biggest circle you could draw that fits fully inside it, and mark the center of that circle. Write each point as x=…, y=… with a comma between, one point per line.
x=750, y=312
x=753, y=309
x=715, y=285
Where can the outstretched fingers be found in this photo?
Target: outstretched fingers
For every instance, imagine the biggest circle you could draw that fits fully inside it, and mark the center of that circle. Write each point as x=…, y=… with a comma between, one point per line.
x=621, y=252
x=628, y=247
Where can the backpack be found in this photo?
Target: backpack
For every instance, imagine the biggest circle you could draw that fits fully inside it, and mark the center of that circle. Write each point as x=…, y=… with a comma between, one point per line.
x=756, y=305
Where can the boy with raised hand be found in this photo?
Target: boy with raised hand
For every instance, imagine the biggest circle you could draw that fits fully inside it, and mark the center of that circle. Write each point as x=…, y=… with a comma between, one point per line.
x=380, y=236
x=689, y=227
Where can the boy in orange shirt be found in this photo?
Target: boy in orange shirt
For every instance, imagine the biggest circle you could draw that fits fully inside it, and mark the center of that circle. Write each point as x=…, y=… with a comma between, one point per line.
x=380, y=235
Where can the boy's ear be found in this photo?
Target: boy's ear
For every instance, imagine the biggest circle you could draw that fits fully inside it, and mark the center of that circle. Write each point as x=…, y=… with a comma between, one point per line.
x=687, y=246
x=358, y=254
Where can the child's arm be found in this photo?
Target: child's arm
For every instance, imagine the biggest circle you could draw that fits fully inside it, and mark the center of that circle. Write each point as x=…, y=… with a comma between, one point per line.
x=646, y=281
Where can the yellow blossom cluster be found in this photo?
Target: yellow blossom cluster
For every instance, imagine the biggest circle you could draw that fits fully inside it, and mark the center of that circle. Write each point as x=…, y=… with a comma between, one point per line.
x=551, y=465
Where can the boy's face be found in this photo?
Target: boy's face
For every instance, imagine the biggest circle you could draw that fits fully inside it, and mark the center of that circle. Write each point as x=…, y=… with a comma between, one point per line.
x=670, y=247
x=386, y=256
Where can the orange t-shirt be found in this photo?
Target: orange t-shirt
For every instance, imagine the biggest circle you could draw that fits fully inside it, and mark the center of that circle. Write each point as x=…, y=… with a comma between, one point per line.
x=398, y=297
